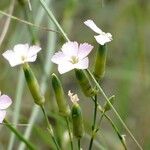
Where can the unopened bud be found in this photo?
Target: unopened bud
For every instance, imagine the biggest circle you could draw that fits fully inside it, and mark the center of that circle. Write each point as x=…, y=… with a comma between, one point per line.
x=60, y=96
x=99, y=68
x=84, y=83
x=78, y=127
x=33, y=85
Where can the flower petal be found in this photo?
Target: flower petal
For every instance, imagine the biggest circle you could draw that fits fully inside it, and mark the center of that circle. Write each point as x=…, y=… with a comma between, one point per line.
x=84, y=50
x=5, y=101
x=31, y=59
x=11, y=57
x=70, y=48
x=65, y=67
x=58, y=58
x=21, y=50
x=93, y=26
x=33, y=50
x=103, y=38
x=82, y=64
x=2, y=115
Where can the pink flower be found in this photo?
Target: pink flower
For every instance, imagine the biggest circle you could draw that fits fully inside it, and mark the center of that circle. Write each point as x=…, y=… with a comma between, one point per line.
x=21, y=53
x=5, y=102
x=103, y=37
x=72, y=56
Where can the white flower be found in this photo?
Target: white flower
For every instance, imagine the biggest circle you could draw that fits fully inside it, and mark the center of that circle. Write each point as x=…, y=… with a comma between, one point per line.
x=103, y=37
x=74, y=98
x=5, y=102
x=21, y=53
x=72, y=56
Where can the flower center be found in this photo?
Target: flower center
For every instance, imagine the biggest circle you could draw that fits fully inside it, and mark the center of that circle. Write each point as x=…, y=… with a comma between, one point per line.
x=74, y=60
x=23, y=58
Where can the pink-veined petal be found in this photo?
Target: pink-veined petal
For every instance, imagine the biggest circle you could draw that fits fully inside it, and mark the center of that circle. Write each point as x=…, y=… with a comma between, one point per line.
x=21, y=50
x=58, y=58
x=70, y=48
x=102, y=39
x=2, y=115
x=33, y=50
x=93, y=26
x=31, y=59
x=5, y=101
x=65, y=67
x=109, y=36
x=82, y=64
x=11, y=57
x=84, y=50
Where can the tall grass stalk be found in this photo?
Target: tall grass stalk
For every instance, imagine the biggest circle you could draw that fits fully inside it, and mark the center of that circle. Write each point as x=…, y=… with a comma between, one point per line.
x=17, y=107
x=50, y=14
x=47, y=68
x=19, y=91
x=52, y=17
x=7, y=23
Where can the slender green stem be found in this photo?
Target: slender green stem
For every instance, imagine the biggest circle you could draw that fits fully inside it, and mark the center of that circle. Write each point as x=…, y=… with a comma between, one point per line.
x=79, y=144
x=101, y=110
x=125, y=126
x=112, y=123
x=116, y=130
x=94, y=123
x=52, y=17
x=69, y=130
x=95, y=112
x=50, y=129
x=27, y=23
x=101, y=118
x=20, y=137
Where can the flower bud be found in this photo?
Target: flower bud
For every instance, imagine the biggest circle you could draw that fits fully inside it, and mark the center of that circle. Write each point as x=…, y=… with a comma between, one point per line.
x=60, y=96
x=84, y=83
x=99, y=68
x=33, y=85
x=78, y=127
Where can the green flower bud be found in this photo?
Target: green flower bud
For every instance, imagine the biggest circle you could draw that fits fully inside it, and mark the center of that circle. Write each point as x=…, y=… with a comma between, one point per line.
x=99, y=68
x=78, y=127
x=33, y=85
x=60, y=96
x=84, y=83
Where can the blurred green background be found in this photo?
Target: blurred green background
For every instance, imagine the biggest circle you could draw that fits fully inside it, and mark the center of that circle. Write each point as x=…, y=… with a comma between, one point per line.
x=127, y=73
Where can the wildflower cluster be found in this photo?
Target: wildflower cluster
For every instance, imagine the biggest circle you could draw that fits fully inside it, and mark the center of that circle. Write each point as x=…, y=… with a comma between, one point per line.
x=72, y=56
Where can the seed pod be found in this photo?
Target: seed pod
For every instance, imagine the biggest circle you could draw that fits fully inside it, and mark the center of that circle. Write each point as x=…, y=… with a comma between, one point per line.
x=78, y=127
x=99, y=68
x=84, y=83
x=60, y=96
x=33, y=85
